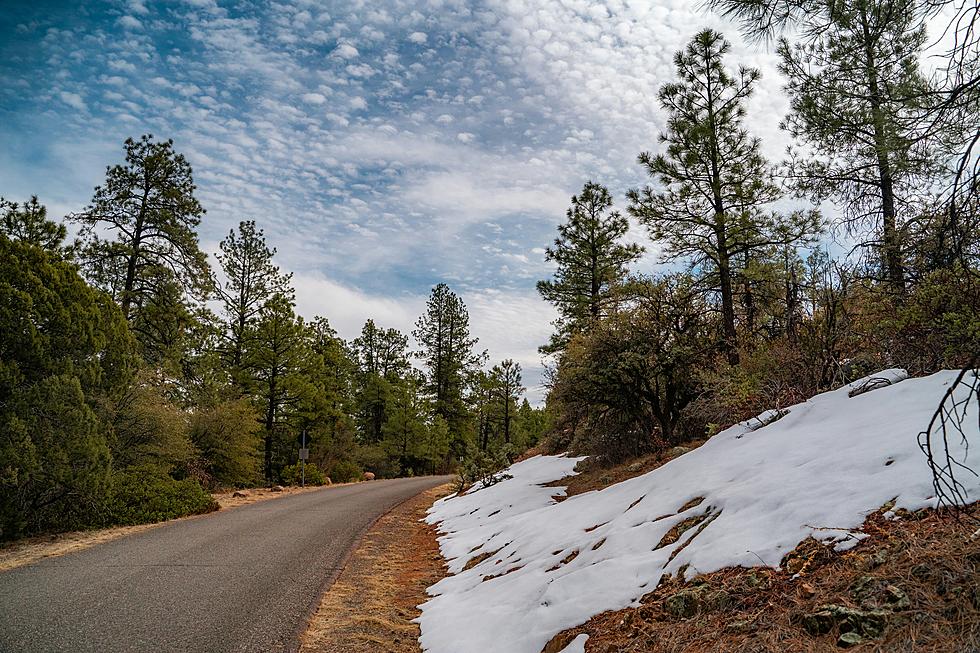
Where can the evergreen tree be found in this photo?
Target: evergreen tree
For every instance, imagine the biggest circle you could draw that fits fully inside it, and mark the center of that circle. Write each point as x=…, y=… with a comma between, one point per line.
x=509, y=390
x=64, y=351
x=280, y=382
x=857, y=94
x=382, y=359
x=590, y=262
x=147, y=207
x=251, y=280
x=446, y=349
x=29, y=224
x=715, y=180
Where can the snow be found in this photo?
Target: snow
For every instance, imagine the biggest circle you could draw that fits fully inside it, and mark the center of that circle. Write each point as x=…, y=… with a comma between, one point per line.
x=577, y=645
x=764, y=486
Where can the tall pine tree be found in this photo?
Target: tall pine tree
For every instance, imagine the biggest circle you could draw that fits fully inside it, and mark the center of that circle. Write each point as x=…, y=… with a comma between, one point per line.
x=148, y=210
x=715, y=181
x=590, y=262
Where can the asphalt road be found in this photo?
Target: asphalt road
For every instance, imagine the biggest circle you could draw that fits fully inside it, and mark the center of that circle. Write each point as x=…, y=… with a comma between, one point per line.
x=244, y=579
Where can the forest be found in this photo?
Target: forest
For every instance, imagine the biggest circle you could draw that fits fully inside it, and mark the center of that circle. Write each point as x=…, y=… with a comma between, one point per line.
x=135, y=378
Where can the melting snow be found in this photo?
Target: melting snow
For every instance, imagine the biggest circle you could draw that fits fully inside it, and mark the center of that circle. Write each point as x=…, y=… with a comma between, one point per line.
x=748, y=496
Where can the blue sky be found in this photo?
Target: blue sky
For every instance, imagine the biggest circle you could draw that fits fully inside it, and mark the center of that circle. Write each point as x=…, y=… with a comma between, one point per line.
x=383, y=146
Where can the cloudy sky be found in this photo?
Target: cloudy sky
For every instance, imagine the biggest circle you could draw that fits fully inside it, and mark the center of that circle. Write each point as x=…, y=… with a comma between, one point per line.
x=383, y=146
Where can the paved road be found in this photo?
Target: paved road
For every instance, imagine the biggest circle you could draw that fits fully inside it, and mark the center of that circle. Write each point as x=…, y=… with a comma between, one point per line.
x=244, y=579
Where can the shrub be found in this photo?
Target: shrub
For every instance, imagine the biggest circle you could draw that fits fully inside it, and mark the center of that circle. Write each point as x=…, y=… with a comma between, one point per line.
x=345, y=471
x=227, y=437
x=141, y=496
x=293, y=475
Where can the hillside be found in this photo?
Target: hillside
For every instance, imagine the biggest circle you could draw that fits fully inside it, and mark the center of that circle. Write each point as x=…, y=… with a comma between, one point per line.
x=526, y=567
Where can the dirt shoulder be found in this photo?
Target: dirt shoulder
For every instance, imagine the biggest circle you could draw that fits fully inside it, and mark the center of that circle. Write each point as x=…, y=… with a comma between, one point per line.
x=29, y=550
x=370, y=607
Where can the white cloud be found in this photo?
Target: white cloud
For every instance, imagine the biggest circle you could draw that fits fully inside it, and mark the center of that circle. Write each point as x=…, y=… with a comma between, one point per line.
x=73, y=100
x=313, y=98
x=345, y=51
x=129, y=22
x=465, y=137
x=418, y=37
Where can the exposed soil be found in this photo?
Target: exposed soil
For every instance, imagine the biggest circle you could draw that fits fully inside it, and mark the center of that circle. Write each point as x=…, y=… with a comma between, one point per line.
x=913, y=585
x=370, y=607
x=31, y=549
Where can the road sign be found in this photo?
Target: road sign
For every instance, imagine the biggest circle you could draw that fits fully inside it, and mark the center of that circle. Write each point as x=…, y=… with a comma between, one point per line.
x=304, y=454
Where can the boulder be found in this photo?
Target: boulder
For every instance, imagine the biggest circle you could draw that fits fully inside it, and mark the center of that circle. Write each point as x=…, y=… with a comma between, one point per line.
x=673, y=452
x=368, y=476
x=240, y=494
x=276, y=488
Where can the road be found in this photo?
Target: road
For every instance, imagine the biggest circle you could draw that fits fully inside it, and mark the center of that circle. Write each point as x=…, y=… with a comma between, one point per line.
x=244, y=579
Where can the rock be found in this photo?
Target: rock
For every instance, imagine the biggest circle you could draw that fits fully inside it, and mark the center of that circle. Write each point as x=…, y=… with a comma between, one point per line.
x=635, y=468
x=276, y=488
x=684, y=604
x=847, y=640
x=368, y=476
x=819, y=623
x=238, y=494
x=896, y=598
x=673, y=452
x=327, y=481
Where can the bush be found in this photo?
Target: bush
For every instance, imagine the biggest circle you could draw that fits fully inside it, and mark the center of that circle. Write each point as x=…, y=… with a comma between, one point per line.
x=227, y=437
x=345, y=471
x=485, y=467
x=140, y=496
x=293, y=475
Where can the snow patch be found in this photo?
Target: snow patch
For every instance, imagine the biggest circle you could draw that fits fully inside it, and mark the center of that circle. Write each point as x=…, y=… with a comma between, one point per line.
x=748, y=496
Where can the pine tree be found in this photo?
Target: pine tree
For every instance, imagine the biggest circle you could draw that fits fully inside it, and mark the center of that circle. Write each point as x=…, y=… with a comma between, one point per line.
x=590, y=262
x=715, y=181
x=509, y=390
x=148, y=208
x=446, y=349
x=29, y=224
x=278, y=362
x=382, y=360
x=857, y=101
x=251, y=280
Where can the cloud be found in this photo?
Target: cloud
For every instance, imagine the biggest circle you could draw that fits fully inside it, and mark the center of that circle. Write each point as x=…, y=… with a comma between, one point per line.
x=129, y=22
x=313, y=98
x=418, y=38
x=345, y=51
x=73, y=100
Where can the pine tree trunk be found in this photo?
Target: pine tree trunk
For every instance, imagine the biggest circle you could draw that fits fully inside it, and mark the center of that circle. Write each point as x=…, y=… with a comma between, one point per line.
x=891, y=239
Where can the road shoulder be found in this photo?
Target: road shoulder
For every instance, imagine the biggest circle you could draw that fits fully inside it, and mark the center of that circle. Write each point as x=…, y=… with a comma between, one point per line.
x=371, y=605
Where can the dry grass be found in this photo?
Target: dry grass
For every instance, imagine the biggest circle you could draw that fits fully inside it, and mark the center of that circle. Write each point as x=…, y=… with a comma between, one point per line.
x=32, y=549
x=596, y=478
x=930, y=559
x=370, y=607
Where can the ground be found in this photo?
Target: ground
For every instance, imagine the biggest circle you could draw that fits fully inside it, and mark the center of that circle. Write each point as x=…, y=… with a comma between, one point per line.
x=31, y=549
x=914, y=585
x=370, y=607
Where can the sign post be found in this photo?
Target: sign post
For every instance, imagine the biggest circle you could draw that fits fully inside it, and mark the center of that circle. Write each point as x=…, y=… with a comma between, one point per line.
x=304, y=453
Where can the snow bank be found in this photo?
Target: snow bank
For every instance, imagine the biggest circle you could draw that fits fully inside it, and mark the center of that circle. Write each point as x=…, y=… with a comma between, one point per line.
x=755, y=491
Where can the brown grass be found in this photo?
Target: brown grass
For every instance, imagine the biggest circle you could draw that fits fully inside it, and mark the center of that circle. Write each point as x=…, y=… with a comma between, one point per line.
x=370, y=607
x=929, y=558
x=32, y=549
x=596, y=478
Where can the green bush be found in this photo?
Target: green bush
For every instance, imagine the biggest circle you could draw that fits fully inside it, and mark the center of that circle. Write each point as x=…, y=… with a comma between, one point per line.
x=345, y=471
x=143, y=497
x=293, y=475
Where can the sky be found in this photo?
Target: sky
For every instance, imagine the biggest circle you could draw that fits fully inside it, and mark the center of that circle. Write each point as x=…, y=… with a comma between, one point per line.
x=383, y=147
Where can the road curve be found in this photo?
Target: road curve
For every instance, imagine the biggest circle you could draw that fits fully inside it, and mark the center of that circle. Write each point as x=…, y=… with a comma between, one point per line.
x=239, y=580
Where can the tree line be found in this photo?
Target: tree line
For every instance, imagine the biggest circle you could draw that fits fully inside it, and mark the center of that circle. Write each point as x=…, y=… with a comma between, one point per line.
x=134, y=377
x=760, y=315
